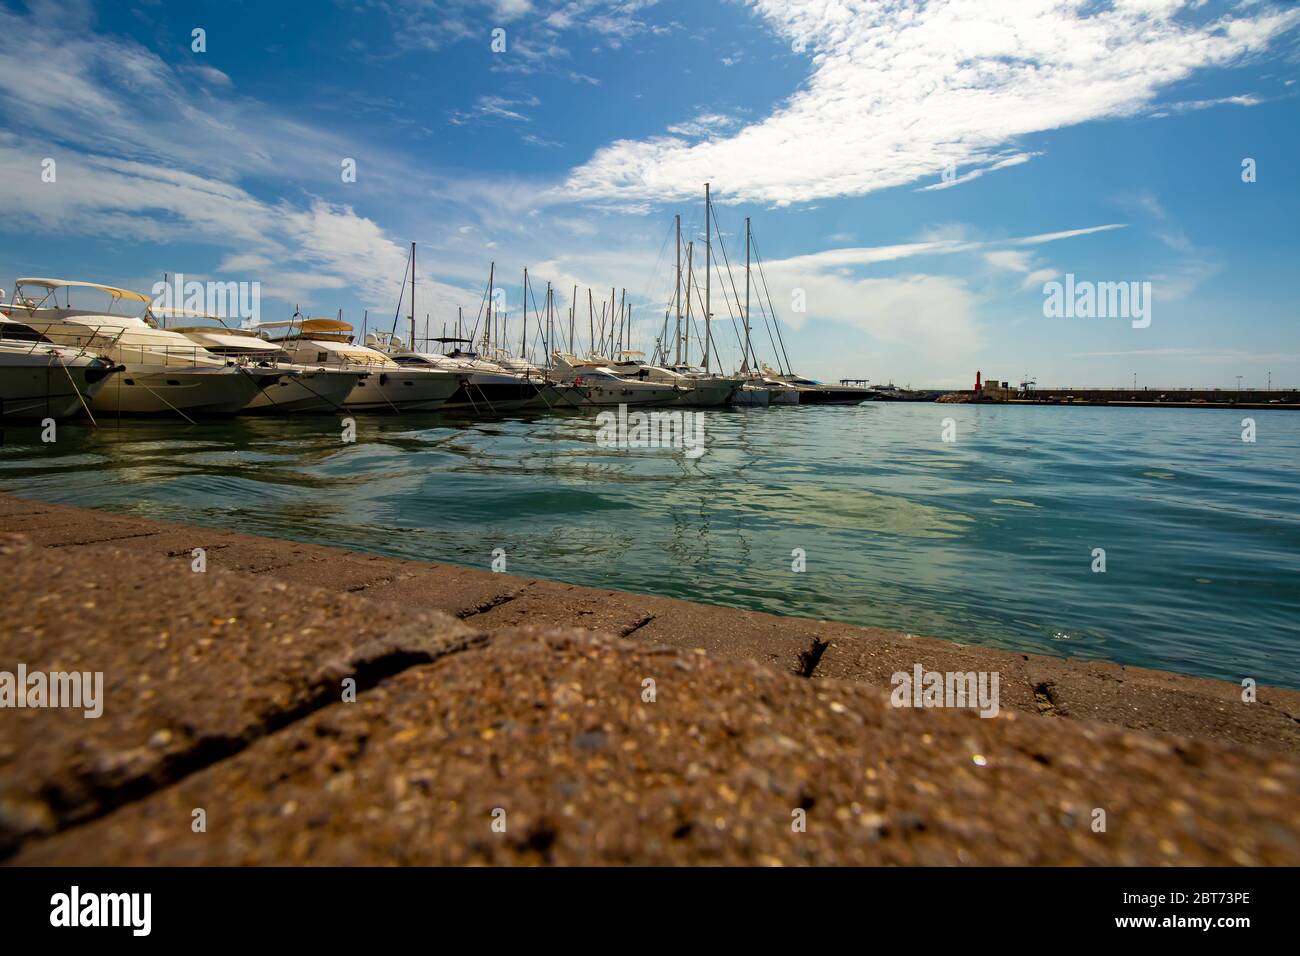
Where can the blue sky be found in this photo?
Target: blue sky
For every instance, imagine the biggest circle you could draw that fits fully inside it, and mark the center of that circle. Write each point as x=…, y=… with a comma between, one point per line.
x=1099, y=139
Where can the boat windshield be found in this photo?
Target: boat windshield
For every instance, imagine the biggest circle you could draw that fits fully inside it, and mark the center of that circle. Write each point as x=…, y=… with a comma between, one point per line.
x=88, y=298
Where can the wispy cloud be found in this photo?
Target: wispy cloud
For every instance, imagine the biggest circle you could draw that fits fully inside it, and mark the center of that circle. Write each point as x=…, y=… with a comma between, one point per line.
x=899, y=91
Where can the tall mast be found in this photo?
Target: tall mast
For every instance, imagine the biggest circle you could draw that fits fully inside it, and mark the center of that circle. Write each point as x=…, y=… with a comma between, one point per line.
x=411, y=343
x=487, y=326
x=591, y=320
x=550, y=325
x=708, y=272
x=523, y=338
x=622, y=312
x=677, y=294
x=690, y=282
x=744, y=364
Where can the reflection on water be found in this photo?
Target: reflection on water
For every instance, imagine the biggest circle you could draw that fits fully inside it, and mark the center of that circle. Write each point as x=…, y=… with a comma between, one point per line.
x=985, y=540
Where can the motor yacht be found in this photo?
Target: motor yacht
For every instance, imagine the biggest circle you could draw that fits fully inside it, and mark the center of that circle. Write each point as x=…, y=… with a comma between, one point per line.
x=487, y=388
x=696, y=387
x=39, y=379
x=389, y=386
x=606, y=387
x=305, y=388
x=163, y=371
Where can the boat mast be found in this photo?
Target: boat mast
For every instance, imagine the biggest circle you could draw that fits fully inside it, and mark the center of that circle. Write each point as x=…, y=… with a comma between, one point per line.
x=411, y=343
x=550, y=324
x=690, y=283
x=487, y=326
x=744, y=364
x=591, y=321
x=622, y=313
x=708, y=271
x=677, y=294
x=523, y=338
x=573, y=307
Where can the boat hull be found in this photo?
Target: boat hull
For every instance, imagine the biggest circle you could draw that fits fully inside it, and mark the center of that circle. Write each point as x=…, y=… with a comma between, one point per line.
x=37, y=387
x=310, y=391
x=161, y=390
x=403, y=390
x=630, y=393
x=709, y=393
x=749, y=396
x=833, y=396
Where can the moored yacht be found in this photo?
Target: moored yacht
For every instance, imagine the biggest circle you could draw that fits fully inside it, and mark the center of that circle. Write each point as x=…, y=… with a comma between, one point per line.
x=813, y=392
x=163, y=371
x=39, y=379
x=389, y=386
x=487, y=387
x=696, y=387
x=604, y=386
x=304, y=389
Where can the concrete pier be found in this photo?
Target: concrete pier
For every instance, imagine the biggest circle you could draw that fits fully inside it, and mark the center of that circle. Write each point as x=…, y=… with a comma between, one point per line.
x=507, y=720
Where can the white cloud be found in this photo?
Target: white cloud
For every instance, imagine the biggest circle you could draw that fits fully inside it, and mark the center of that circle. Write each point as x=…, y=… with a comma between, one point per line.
x=899, y=91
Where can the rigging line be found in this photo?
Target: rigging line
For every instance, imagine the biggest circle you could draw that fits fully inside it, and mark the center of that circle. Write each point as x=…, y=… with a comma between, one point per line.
x=713, y=344
x=763, y=275
x=401, y=294
x=732, y=280
x=478, y=318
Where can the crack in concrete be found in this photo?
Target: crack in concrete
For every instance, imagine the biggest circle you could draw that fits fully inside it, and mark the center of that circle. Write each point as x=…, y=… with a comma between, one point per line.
x=206, y=750
x=118, y=537
x=1044, y=700
x=636, y=625
x=809, y=659
x=488, y=605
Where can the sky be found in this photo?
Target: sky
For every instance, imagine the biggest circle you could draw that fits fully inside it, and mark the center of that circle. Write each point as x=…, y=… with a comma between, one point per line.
x=915, y=173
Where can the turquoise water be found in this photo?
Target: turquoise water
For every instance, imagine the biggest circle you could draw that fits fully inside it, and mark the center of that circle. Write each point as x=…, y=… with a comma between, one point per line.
x=986, y=540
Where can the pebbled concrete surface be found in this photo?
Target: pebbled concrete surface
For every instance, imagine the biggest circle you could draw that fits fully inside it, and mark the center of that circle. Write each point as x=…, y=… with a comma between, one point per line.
x=224, y=691
x=551, y=733
x=1131, y=697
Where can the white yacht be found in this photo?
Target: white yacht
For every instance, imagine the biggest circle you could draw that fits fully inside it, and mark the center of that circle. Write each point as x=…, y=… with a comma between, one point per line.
x=305, y=389
x=606, y=387
x=163, y=372
x=696, y=387
x=39, y=379
x=488, y=388
x=389, y=386
x=750, y=395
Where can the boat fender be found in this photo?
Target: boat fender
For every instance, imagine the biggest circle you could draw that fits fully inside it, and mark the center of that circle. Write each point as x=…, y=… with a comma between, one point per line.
x=383, y=378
